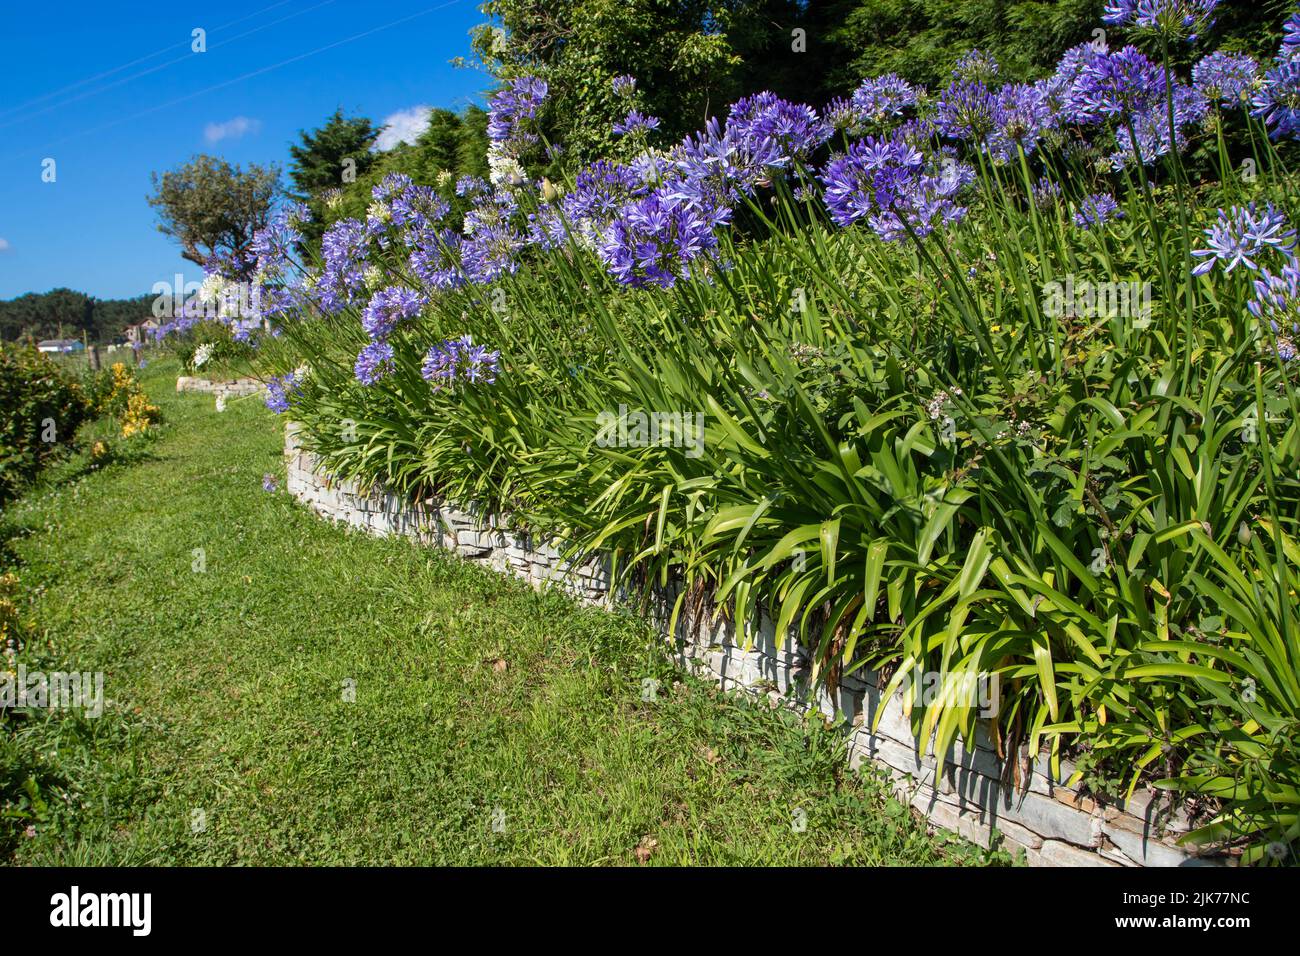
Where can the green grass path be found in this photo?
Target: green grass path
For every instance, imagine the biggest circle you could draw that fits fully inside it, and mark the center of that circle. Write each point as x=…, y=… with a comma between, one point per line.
x=477, y=701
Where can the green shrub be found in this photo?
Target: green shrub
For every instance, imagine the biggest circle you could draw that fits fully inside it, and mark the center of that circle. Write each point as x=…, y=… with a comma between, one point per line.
x=41, y=407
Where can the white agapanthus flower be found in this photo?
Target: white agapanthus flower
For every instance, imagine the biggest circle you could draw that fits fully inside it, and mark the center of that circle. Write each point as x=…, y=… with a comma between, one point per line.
x=504, y=170
x=211, y=289
x=202, y=354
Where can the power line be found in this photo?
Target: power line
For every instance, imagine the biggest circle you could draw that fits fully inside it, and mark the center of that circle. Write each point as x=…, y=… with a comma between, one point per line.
x=249, y=75
x=161, y=66
x=118, y=69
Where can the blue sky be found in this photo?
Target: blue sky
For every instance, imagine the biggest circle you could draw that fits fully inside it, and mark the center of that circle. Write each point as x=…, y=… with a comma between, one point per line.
x=113, y=91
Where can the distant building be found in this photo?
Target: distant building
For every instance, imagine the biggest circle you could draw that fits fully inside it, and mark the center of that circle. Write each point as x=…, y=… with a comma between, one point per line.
x=141, y=333
x=60, y=345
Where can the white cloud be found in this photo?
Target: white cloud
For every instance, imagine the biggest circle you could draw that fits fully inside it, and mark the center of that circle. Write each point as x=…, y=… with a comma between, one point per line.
x=231, y=129
x=403, y=127
x=4, y=245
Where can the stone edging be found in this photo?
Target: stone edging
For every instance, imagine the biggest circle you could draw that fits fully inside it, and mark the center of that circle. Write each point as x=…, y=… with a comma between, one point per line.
x=1054, y=823
x=222, y=390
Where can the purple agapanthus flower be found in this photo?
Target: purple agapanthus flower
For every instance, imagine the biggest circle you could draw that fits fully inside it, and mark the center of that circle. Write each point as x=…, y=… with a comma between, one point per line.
x=1291, y=31
x=510, y=107
x=491, y=251
x=1022, y=116
x=624, y=85
x=888, y=183
x=774, y=132
x=1046, y=193
x=460, y=360
x=1151, y=128
x=1225, y=78
x=1117, y=85
x=1186, y=19
x=1277, y=303
x=1277, y=101
x=840, y=113
x=1097, y=210
x=269, y=483
x=1277, y=297
x=882, y=97
x=471, y=186
x=1242, y=234
x=967, y=110
x=656, y=238
x=374, y=362
x=976, y=66
x=599, y=191
x=436, y=260
x=635, y=122
x=280, y=390
x=387, y=308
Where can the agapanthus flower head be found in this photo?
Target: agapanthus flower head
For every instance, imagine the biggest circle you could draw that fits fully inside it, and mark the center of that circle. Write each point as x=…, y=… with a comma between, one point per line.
x=274, y=245
x=510, y=107
x=841, y=114
x=1291, y=32
x=966, y=110
x=344, y=248
x=1243, y=234
x=976, y=66
x=889, y=184
x=1277, y=299
x=374, y=362
x=1117, y=85
x=1046, y=193
x=774, y=132
x=387, y=308
x=1151, y=128
x=414, y=209
x=1175, y=19
x=1276, y=304
x=460, y=360
x=624, y=85
x=1065, y=88
x=656, y=238
x=269, y=483
x=391, y=185
x=880, y=98
x=471, y=186
x=635, y=122
x=599, y=191
x=280, y=391
x=491, y=251
x=1225, y=78
x=436, y=260
x=1022, y=115
x=1097, y=210
x=1277, y=101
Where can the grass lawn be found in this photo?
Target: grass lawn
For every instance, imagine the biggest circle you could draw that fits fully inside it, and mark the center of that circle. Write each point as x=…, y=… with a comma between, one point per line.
x=491, y=724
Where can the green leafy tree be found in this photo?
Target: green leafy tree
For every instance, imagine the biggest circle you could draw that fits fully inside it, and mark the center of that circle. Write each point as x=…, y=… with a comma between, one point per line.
x=332, y=156
x=211, y=208
x=679, y=53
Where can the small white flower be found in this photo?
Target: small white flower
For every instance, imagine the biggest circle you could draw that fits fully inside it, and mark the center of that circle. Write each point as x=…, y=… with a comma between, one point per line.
x=211, y=289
